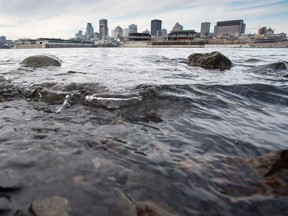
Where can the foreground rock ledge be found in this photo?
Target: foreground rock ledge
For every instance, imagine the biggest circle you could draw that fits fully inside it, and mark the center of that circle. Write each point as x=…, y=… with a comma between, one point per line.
x=39, y=61
x=213, y=60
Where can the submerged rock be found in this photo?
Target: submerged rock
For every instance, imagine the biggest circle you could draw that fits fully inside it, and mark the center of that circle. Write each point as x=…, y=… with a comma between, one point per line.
x=213, y=60
x=271, y=68
x=9, y=183
x=271, y=164
x=265, y=175
x=52, y=206
x=5, y=204
x=38, y=61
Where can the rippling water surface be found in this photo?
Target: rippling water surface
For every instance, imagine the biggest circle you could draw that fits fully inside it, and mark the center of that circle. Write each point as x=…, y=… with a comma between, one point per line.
x=134, y=131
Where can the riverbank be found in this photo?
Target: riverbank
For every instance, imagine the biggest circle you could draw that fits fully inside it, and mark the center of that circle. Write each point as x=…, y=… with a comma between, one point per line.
x=149, y=44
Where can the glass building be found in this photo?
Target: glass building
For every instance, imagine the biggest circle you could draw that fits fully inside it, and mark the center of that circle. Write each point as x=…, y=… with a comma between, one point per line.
x=156, y=27
x=103, y=28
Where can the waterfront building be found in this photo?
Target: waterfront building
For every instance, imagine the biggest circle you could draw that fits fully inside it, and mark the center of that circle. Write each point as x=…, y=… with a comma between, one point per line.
x=205, y=29
x=79, y=35
x=103, y=28
x=132, y=28
x=2, y=39
x=262, y=31
x=118, y=32
x=177, y=27
x=269, y=31
x=139, y=37
x=60, y=43
x=231, y=27
x=125, y=32
x=184, y=35
x=89, y=31
x=265, y=32
x=156, y=26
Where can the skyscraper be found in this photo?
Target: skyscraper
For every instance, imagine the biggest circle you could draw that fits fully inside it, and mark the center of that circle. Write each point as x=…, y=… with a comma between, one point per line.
x=231, y=27
x=103, y=28
x=132, y=28
x=156, y=27
x=205, y=29
x=89, y=31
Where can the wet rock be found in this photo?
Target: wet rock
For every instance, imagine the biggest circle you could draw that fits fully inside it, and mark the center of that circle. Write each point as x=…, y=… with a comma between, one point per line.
x=149, y=208
x=5, y=204
x=271, y=68
x=52, y=206
x=263, y=175
x=128, y=206
x=79, y=178
x=9, y=183
x=39, y=61
x=271, y=164
x=213, y=60
x=271, y=170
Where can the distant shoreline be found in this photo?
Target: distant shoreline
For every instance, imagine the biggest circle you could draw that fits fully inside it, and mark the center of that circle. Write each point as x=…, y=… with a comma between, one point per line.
x=148, y=44
x=142, y=44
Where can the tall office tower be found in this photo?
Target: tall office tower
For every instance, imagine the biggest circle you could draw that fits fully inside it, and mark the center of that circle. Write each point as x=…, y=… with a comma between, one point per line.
x=89, y=31
x=205, y=29
x=103, y=28
x=231, y=27
x=132, y=28
x=156, y=26
x=177, y=27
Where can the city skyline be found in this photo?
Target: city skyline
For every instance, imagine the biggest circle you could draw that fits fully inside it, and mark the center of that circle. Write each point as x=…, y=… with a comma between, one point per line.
x=62, y=18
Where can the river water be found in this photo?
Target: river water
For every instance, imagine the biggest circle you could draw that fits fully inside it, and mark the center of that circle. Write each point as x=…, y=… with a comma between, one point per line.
x=114, y=131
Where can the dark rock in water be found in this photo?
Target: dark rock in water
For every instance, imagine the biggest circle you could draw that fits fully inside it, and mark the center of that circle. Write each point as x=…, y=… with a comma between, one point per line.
x=268, y=175
x=129, y=206
x=38, y=61
x=5, y=204
x=9, y=183
x=214, y=60
x=271, y=68
x=271, y=164
x=52, y=206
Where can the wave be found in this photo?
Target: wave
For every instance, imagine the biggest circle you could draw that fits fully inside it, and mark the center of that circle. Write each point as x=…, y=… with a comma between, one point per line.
x=162, y=97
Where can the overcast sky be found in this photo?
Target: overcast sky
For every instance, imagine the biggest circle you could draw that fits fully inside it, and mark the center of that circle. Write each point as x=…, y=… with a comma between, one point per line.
x=63, y=18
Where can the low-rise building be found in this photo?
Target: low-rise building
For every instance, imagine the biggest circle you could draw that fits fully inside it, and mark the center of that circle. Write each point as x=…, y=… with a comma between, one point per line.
x=184, y=35
x=139, y=37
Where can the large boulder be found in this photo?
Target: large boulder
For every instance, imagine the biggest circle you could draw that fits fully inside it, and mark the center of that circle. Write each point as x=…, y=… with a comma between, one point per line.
x=213, y=60
x=38, y=61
